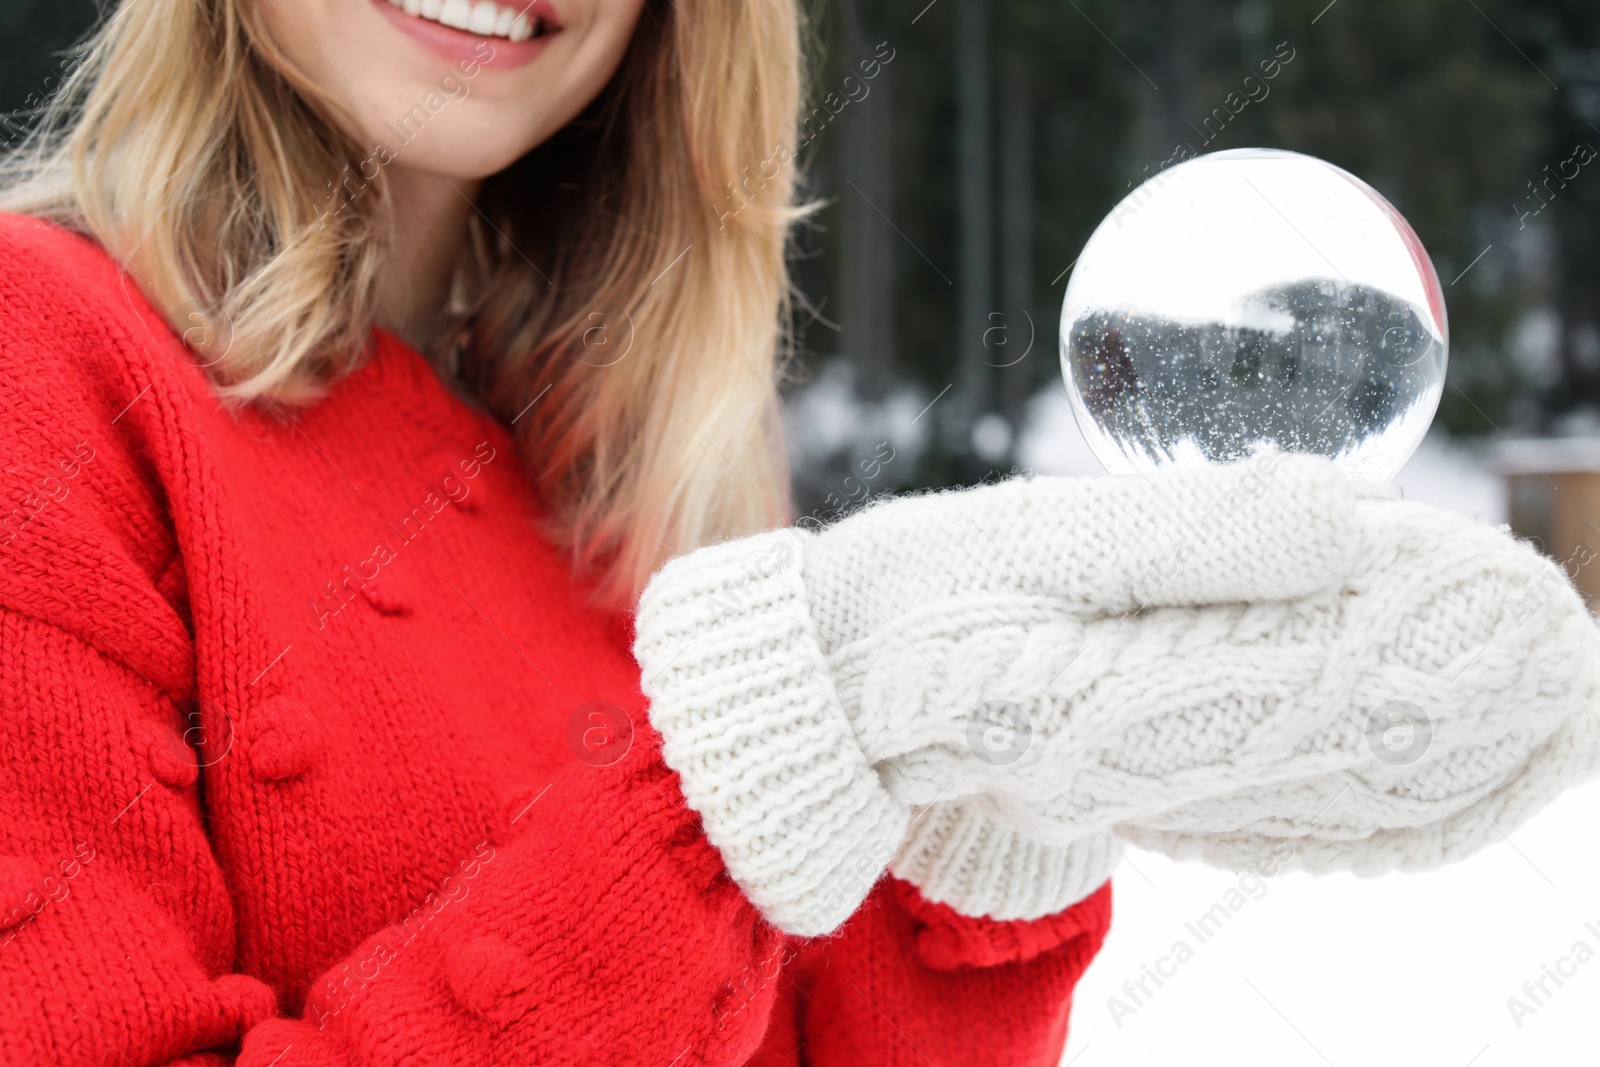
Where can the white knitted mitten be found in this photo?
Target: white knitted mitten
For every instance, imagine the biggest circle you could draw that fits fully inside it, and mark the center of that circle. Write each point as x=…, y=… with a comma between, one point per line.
x=1195, y=657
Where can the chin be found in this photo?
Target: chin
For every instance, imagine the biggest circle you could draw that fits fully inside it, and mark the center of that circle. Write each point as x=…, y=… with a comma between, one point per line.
x=454, y=125
x=462, y=154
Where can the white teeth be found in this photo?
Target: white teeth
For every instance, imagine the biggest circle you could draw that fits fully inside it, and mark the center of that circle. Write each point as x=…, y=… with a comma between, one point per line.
x=484, y=14
x=486, y=18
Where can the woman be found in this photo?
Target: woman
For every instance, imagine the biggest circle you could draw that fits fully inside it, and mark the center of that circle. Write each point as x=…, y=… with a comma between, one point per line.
x=363, y=360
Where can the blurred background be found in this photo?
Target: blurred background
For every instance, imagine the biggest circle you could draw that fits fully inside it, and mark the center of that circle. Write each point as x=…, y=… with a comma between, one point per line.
x=962, y=151
x=962, y=185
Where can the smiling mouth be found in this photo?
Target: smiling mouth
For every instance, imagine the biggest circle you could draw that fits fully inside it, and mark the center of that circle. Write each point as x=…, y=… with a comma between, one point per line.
x=482, y=17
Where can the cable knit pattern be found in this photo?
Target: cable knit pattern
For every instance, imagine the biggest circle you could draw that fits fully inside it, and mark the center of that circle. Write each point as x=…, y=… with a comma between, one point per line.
x=1481, y=633
x=1222, y=730
x=1195, y=659
x=295, y=716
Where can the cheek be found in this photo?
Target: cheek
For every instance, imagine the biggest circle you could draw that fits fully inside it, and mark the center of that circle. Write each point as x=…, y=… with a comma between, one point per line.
x=306, y=33
x=590, y=57
x=374, y=84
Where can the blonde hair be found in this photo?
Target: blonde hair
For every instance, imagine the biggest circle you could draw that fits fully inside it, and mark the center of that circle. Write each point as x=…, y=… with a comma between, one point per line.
x=646, y=340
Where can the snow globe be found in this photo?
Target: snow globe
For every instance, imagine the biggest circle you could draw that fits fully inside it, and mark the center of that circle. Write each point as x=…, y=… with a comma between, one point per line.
x=1254, y=300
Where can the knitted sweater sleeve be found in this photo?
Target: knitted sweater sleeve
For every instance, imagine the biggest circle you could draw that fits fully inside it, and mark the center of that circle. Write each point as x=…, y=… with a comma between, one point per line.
x=910, y=981
x=116, y=925
x=604, y=931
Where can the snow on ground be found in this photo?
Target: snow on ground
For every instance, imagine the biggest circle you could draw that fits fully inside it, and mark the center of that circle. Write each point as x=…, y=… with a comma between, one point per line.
x=1338, y=971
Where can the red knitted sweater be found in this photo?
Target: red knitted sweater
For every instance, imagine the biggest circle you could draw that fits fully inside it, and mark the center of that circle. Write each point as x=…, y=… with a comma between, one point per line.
x=289, y=727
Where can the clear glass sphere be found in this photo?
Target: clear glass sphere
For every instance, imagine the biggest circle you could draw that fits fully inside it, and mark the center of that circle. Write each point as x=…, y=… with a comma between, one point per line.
x=1251, y=300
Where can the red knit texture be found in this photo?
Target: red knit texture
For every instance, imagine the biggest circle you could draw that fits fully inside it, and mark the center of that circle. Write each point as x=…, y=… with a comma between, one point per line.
x=285, y=701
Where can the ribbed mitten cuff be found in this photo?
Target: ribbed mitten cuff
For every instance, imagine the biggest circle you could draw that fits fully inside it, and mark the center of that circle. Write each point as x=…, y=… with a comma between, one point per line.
x=957, y=856
x=749, y=719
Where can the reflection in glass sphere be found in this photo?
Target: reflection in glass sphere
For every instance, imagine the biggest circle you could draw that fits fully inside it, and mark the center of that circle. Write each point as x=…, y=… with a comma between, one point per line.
x=1252, y=300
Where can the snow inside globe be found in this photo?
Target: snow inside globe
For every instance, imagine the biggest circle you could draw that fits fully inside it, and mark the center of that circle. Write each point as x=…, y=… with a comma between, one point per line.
x=1254, y=300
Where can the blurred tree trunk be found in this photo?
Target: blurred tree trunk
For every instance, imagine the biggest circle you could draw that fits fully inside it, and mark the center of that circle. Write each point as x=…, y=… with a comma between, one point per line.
x=867, y=269
x=1022, y=322
x=1180, y=51
x=1571, y=33
x=976, y=195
